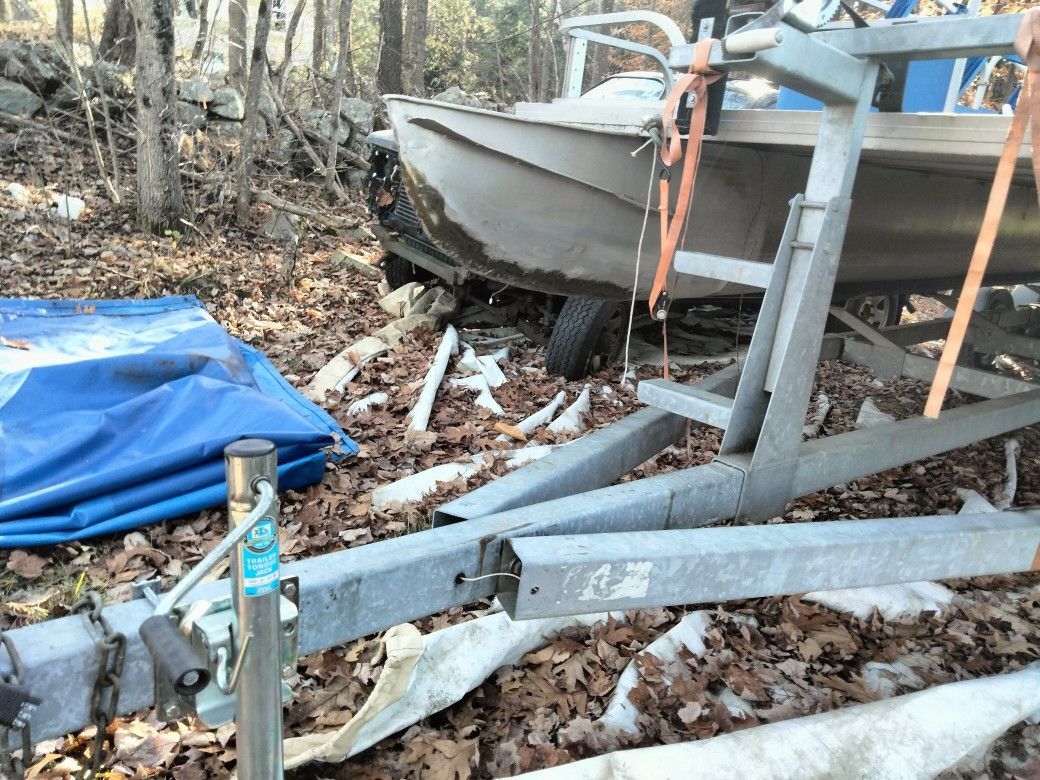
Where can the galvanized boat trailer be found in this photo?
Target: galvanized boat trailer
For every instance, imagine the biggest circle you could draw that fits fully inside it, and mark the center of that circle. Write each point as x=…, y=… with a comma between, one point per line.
x=560, y=537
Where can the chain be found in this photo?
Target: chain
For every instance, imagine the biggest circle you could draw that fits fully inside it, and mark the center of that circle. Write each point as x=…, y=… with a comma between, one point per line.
x=104, y=699
x=9, y=765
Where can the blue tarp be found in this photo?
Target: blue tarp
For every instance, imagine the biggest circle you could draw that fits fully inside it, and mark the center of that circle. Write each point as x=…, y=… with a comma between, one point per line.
x=117, y=414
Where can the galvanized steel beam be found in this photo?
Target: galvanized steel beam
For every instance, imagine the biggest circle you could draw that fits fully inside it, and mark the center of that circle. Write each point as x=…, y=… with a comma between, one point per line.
x=945, y=37
x=579, y=574
x=363, y=590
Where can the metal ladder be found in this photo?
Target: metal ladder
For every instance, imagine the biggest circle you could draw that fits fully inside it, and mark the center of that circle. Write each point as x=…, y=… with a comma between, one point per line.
x=764, y=414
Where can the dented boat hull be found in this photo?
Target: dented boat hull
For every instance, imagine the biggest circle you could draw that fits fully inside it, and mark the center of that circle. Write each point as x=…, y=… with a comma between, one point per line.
x=559, y=208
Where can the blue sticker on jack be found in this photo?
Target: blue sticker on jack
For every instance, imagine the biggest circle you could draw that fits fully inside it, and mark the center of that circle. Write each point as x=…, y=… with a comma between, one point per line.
x=260, y=559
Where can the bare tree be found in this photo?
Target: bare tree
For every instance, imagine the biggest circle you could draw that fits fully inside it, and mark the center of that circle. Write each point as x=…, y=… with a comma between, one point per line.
x=118, y=37
x=160, y=202
x=238, y=25
x=290, y=39
x=550, y=68
x=388, y=74
x=318, y=42
x=342, y=68
x=257, y=69
x=415, y=25
x=600, y=66
x=202, y=38
x=534, y=51
x=63, y=22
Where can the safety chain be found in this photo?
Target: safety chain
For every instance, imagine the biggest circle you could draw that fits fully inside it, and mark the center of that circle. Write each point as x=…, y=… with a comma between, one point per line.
x=9, y=765
x=111, y=647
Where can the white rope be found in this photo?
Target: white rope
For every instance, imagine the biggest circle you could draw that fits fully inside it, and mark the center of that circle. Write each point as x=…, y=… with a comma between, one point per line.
x=488, y=576
x=639, y=258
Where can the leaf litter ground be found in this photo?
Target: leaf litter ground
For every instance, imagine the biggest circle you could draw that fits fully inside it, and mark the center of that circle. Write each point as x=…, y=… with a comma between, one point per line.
x=781, y=656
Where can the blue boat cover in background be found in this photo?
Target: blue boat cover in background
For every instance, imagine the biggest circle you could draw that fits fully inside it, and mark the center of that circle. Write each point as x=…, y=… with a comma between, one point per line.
x=114, y=414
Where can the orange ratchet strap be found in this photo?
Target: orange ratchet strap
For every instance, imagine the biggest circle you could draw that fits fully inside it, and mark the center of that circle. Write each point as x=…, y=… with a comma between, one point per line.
x=1027, y=112
x=694, y=82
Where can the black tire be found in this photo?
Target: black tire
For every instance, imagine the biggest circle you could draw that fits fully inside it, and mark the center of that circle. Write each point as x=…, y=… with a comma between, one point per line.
x=587, y=336
x=399, y=272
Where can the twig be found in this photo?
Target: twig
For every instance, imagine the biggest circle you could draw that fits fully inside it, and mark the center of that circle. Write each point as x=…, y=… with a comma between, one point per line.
x=290, y=35
x=114, y=187
x=296, y=131
x=337, y=223
x=354, y=159
x=29, y=124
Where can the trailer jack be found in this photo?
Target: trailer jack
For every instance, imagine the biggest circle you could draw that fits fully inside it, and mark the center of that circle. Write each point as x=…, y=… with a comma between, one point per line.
x=225, y=659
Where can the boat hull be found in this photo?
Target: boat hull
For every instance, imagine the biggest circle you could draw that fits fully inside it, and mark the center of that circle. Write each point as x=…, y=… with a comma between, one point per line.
x=560, y=209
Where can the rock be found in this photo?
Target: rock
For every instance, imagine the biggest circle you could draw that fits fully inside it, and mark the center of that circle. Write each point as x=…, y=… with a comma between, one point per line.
x=18, y=192
x=456, y=96
x=195, y=90
x=281, y=147
x=356, y=179
x=360, y=113
x=281, y=227
x=65, y=96
x=267, y=109
x=116, y=80
x=224, y=131
x=36, y=66
x=321, y=122
x=190, y=116
x=67, y=206
x=227, y=103
x=18, y=100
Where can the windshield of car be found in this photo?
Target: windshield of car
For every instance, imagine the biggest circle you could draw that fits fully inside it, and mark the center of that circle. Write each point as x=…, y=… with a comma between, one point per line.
x=627, y=88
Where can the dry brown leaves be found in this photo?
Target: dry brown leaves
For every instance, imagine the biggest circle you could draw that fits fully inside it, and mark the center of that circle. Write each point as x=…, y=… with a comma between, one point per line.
x=781, y=657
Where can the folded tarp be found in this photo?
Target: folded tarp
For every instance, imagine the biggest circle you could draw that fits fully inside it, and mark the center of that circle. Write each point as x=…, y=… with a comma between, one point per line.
x=115, y=414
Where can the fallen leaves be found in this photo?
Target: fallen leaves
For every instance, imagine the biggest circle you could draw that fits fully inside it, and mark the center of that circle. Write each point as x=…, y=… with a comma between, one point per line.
x=26, y=565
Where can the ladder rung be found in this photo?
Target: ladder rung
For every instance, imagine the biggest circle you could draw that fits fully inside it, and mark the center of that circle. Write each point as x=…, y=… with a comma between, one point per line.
x=752, y=273
x=803, y=245
x=814, y=204
x=700, y=405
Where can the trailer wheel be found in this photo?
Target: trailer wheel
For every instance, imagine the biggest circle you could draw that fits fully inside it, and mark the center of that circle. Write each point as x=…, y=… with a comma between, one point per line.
x=998, y=299
x=399, y=272
x=879, y=311
x=586, y=337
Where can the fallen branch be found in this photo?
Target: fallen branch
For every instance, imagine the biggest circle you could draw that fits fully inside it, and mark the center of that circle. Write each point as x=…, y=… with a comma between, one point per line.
x=30, y=124
x=337, y=223
x=297, y=132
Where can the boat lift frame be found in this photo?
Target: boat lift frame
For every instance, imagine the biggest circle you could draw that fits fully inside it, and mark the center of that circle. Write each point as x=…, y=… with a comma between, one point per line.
x=640, y=543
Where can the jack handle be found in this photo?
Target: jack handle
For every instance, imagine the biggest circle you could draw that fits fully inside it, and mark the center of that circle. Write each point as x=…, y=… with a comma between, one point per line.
x=173, y=652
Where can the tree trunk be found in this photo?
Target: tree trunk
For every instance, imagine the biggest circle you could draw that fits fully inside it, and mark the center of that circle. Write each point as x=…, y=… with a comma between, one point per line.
x=118, y=37
x=547, y=83
x=63, y=23
x=415, y=25
x=4, y=13
x=600, y=66
x=257, y=66
x=318, y=41
x=388, y=74
x=342, y=69
x=238, y=26
x=159, y=198
x=534, y=56
x=290, y=38
x=202, y=39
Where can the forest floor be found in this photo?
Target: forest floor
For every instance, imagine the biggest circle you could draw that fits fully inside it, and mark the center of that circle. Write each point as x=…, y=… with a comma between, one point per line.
x=301, y=306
